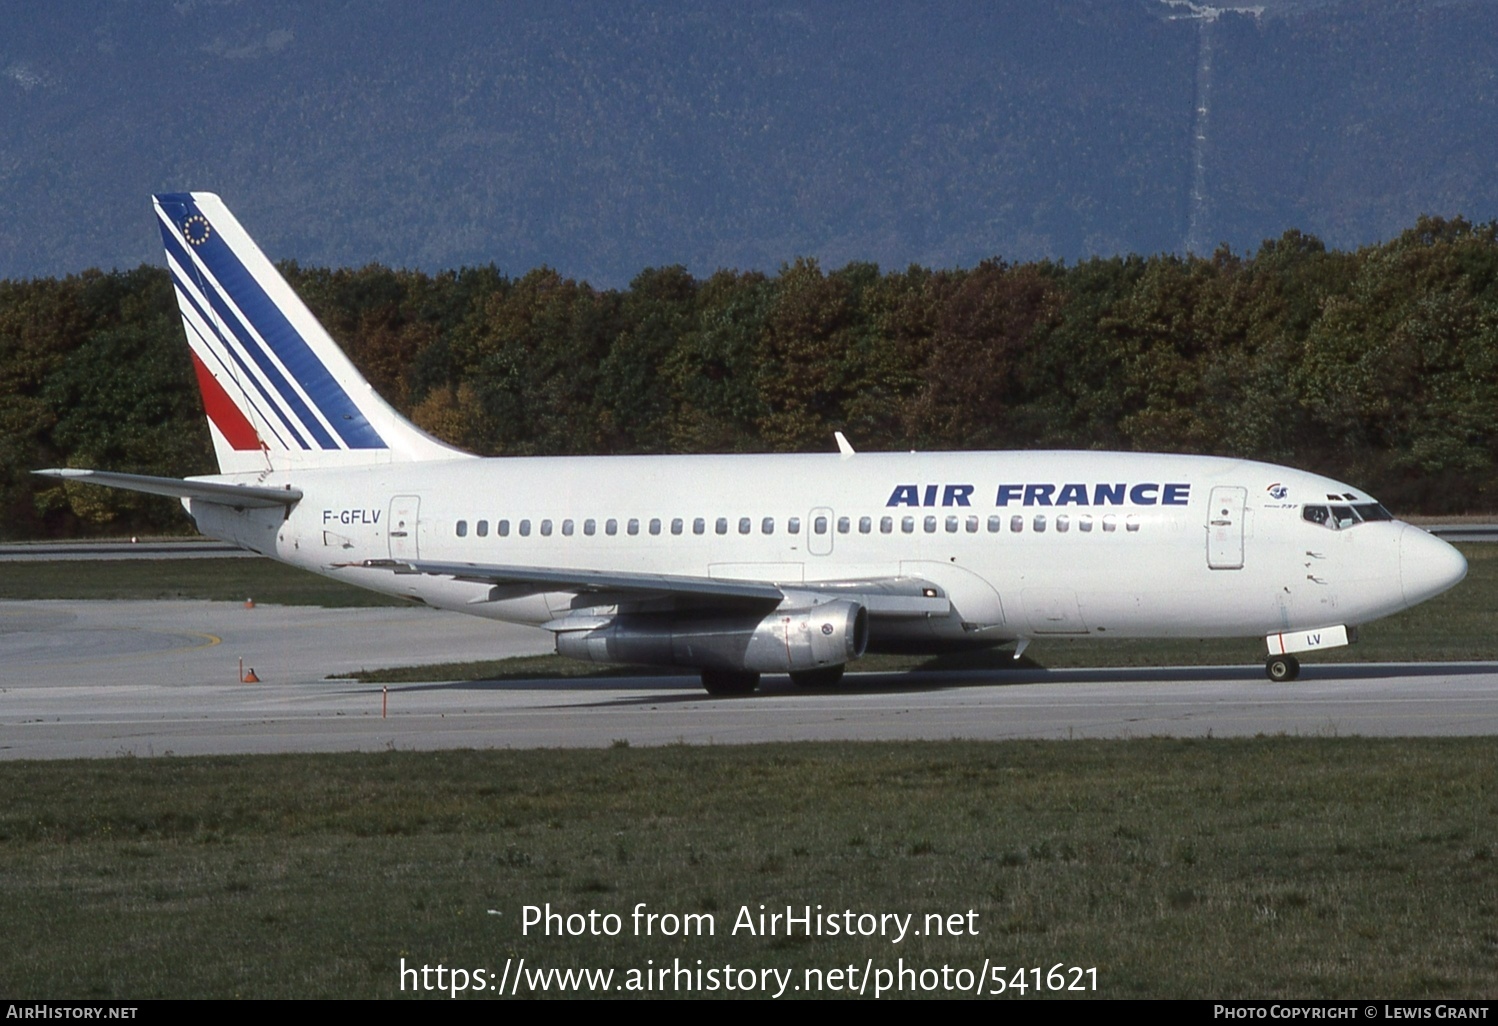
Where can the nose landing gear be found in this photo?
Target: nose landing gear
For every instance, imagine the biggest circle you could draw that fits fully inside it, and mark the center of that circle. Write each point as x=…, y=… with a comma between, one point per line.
x=1281, y=668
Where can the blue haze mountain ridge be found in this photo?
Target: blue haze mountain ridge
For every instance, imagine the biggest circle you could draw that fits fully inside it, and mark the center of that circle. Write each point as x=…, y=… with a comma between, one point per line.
x=604, y=138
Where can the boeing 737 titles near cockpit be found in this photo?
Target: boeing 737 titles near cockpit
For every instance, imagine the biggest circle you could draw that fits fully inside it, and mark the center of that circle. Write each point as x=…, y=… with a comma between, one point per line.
x=743, y=565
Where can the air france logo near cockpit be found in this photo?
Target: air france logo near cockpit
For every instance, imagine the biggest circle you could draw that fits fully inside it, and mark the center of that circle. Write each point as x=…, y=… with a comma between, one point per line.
x=1071, y=494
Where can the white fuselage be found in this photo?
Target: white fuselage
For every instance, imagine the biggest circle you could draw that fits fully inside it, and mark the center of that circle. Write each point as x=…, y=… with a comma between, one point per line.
x=1026, y=544
x=743, y=565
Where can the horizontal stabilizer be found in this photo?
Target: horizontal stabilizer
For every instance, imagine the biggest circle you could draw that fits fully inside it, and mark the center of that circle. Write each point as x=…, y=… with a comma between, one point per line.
x=237, y=496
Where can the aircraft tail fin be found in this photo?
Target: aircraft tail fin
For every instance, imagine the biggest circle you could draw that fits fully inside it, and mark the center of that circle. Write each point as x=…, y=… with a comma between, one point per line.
x=279, y=393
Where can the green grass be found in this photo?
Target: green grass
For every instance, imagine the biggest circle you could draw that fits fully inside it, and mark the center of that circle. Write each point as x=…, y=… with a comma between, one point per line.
x=1263, y=867
x=223, y=580
x=1197, y=868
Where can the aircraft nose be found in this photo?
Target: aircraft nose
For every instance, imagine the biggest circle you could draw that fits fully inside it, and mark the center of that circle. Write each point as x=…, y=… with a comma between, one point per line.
x=1427, y=565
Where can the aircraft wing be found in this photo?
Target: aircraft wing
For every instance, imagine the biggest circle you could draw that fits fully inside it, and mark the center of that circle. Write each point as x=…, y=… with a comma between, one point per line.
x=234, y=495
x=892, y=597
x=535, y=578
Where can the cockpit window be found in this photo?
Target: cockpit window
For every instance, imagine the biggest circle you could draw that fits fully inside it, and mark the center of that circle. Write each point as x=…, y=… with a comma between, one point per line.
x=1340, y=517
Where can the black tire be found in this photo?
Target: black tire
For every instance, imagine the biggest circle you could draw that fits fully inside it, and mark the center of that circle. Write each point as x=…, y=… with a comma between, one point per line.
x=729, y=682
x=1282, y=668
x=825, y=677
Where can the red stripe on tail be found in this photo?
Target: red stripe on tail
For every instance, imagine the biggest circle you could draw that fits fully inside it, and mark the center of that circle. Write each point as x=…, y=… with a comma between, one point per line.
x=227, y=417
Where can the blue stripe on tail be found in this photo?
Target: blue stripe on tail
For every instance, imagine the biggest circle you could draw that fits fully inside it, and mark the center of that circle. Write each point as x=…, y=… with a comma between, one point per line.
x=271, y=325
x=300, y=421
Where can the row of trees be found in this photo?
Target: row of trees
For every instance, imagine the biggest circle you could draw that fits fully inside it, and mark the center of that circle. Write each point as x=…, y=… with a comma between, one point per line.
x=1378, y=366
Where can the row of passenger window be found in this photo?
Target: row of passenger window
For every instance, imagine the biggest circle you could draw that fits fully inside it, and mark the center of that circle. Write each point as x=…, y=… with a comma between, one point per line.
x=820, y=525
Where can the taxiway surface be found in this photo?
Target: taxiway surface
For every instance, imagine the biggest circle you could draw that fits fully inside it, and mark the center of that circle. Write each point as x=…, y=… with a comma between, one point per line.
x=92, y=679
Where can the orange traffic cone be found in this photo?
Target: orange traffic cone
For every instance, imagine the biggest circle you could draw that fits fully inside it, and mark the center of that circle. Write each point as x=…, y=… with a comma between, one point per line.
x=249, y=603
x=250, y=677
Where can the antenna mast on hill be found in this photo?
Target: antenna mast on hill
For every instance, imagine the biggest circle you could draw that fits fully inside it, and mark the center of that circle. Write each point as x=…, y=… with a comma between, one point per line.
x=1197, y=240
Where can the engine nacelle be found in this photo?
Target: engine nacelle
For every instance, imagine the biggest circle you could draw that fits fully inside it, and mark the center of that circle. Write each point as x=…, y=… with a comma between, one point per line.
x=787, y=641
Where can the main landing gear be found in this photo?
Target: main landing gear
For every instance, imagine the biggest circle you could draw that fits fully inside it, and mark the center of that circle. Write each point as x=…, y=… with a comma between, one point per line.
x=1281, y=668
x=825, y=677
x=730, y=682
x=726, y=683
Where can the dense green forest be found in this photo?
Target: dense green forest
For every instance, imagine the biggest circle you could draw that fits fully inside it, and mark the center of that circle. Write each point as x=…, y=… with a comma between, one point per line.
x=1378, y=366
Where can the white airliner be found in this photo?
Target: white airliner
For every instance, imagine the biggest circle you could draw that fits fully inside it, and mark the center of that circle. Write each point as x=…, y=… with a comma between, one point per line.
x=743, y=565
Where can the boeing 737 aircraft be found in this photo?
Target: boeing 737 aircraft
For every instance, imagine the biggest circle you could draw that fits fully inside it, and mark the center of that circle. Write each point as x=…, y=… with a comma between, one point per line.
x=743, y=565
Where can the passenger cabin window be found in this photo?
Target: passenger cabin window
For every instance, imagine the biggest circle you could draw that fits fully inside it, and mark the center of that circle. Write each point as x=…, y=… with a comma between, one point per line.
x=676, y=525
x=1131, y=524
x=721, y=526
x=632, y=527
x=590, y=527
x=865, y=525
x=886, y=525
x=1084, y=523
x=793, y=525
x=699, y=526
x=1063, y=524
x=1016, y=524
x=819, y=525
x=1110, y=523
x=1040, y=523
x=951, y=525
x=546, y=528
x=611, y=527
x=844, y=525
x=567, y=528
x=482, y=529
x=503, y=529
x=930, y=525
x=745, y=525
x=525, y=528
x=994, y=524
x=907, y=525
x=972, y=525
x=655, y=526
x=462, y=529
x=767, y=525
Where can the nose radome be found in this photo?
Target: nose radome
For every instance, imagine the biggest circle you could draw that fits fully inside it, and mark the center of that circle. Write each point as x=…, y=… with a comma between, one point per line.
x=1427, y=565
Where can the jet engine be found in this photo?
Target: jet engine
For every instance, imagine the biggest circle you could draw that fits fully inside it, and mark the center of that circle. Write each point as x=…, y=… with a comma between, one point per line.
x=732, y=650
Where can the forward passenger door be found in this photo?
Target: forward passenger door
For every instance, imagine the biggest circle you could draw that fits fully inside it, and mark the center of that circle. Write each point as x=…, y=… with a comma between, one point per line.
x=1225, y=528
